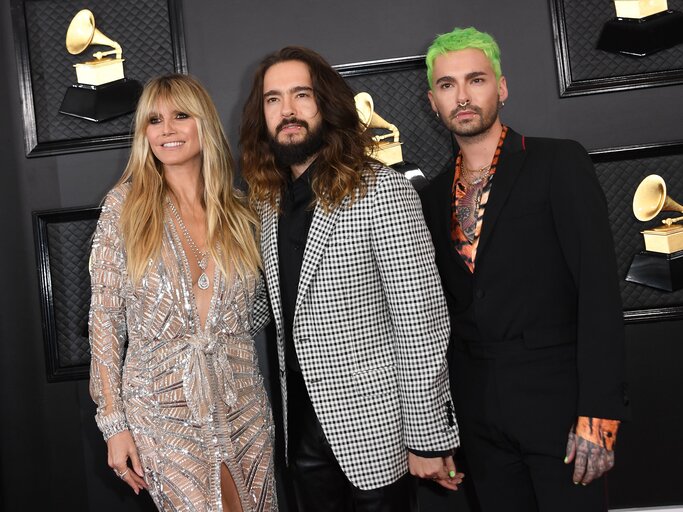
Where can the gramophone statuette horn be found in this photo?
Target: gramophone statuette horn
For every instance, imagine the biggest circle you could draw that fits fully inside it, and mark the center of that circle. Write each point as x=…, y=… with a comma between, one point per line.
x=650, y=199
x=102, y=91
x=371, y=119
x=83, y=33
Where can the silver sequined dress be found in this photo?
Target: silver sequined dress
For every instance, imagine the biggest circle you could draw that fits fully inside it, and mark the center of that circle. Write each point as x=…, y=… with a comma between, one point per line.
x=192, y=398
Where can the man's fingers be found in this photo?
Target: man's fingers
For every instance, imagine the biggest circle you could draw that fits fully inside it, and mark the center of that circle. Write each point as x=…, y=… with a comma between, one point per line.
x=571, y=448
x=592, y=461
x=448, y=484
x=579, y=466
x=590, y=473
x=598, y=464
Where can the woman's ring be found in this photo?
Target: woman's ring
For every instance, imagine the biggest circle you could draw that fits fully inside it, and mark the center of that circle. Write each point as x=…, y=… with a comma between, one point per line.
x=122, y=475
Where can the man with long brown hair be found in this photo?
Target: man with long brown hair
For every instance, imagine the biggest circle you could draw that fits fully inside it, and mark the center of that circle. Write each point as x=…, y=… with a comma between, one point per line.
x=362, y=325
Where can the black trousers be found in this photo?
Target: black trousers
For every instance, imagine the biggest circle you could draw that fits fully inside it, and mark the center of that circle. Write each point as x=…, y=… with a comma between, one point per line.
x=515, y=411
x=319, y=483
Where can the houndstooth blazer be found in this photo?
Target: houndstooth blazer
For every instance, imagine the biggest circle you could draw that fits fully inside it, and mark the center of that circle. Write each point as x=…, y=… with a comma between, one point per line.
x=370, y=329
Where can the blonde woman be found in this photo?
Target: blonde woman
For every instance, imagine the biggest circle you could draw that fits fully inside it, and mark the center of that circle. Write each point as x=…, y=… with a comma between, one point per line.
x=176, y=296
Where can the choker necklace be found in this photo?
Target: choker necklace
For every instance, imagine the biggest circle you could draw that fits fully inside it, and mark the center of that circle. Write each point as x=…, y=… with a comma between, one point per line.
x=479, y=174
x=202, y=258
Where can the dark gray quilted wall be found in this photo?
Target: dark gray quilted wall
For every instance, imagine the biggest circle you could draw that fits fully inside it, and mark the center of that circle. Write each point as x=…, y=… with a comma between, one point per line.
x=619, y=180
x=584, y=20
x=400, y=97
x=69, y=249
x=142, y=28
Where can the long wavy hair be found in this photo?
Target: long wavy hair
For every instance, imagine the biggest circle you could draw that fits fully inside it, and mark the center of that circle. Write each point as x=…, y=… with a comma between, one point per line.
x=231, y=224
x=342, y=166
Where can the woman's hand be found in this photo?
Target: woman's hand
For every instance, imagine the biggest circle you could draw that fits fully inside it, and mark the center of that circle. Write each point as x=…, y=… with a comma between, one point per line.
x=121, y=448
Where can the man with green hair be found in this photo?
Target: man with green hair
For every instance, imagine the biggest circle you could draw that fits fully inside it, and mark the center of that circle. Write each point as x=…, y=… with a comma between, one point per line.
x=525, y=253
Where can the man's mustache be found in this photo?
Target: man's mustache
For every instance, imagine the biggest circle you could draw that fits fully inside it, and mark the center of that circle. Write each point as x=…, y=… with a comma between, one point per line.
x=288, y=121
x=458, y=109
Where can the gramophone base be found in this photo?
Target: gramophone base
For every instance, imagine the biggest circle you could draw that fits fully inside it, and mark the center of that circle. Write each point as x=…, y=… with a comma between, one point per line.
x=101, y=102
x=644, y=36
x=414, y=174
x=657, y=270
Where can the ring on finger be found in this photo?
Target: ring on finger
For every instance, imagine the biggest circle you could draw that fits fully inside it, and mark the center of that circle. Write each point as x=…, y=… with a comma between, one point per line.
x=122, y=475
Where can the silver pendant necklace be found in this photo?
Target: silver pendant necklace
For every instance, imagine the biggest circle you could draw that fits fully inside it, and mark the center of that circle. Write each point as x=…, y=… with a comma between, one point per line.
x=202, y=258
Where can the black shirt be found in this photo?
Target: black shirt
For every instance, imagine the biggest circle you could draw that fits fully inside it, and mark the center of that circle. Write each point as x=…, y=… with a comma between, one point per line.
x=295, y=220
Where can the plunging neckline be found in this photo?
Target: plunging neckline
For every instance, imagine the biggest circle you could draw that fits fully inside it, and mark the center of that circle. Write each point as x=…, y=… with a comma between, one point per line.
x=187, y=276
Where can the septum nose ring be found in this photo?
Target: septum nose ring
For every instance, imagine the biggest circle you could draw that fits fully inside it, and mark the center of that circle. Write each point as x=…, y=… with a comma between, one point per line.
x=464, y=104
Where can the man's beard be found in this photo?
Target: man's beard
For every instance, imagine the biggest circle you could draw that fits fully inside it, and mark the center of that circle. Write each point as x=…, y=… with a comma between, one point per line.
x=477, y=126
x=295, y=153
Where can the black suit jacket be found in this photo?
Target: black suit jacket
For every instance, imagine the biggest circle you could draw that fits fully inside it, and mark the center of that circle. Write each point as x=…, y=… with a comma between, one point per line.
x=545, y=269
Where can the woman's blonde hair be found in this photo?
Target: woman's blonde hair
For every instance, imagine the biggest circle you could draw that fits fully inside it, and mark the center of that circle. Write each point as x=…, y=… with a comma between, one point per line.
x=231, y=225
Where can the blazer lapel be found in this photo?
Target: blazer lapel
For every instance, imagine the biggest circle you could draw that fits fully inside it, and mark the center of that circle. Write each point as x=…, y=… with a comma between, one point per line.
x=443, y=198
x=508, y=169
x=271, y=259
x=316, y=243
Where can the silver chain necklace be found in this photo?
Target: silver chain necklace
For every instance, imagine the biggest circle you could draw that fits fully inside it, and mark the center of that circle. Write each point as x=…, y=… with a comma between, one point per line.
x=202, y=258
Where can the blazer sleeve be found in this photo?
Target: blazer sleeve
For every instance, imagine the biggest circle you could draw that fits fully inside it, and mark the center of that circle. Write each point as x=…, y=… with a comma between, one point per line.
x=260, y=311
x=404, y=254
x=581, y=219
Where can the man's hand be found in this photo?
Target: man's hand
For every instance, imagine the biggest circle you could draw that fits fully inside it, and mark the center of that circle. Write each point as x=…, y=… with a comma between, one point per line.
x=440, y=469
x=592, y=458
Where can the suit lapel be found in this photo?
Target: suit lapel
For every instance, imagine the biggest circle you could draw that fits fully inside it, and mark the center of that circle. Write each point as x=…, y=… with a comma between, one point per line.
x=316, y=243
x=508, y=169
x=443, y=198
x=271, y=259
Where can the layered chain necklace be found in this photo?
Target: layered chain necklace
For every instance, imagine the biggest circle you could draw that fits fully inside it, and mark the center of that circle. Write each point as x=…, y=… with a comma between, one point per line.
x=474, y=176
x=468, y=188
x=202, y=257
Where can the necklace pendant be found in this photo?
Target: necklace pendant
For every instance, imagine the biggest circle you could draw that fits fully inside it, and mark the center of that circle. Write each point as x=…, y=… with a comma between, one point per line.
x=203, y=281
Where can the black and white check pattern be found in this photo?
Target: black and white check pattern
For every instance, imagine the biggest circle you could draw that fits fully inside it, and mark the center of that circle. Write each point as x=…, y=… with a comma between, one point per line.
x=371, y=330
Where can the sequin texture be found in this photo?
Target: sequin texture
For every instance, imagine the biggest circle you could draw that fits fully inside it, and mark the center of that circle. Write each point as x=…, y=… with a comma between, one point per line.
x=193, y=398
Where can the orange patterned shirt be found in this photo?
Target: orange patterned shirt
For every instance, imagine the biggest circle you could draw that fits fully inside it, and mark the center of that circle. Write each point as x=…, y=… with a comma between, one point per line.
x=468, y=204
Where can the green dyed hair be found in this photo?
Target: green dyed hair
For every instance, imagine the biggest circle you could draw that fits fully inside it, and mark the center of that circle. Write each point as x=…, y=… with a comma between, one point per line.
x=463, y=39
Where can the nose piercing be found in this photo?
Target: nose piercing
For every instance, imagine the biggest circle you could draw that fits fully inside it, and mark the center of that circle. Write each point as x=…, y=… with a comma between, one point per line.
x=464, y=104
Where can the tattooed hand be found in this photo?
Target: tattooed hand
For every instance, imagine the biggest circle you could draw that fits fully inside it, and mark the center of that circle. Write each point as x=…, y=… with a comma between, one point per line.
x=590, y=446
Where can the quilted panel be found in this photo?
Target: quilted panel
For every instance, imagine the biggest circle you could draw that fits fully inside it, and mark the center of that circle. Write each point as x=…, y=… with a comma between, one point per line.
x=584, y=20
x=69, y=249
x=400, y=97
x=619, y=180
x=141, y=28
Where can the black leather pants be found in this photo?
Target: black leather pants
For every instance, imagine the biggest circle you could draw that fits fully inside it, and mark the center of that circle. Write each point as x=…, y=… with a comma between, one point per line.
x=319, y=483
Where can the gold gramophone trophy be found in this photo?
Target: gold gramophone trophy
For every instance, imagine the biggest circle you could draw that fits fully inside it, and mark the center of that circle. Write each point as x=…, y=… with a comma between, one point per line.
x=388, y=146
x=642, y=27
x=102, y=91
x=660, y=265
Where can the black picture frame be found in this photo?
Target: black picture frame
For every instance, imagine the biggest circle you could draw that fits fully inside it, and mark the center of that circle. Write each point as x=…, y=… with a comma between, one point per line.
x=583, y=69
x=62, y=246
x=151, y=34
x=620, y=171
